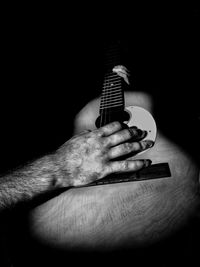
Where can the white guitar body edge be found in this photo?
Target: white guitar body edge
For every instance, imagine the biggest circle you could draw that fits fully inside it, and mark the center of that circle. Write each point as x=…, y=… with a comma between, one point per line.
x=143, y=120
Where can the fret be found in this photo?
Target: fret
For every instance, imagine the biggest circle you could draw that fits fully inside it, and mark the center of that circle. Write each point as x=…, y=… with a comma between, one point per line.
x=106, y=103
x=121, y=101
x=112, y=88
x=113, y=106
x=112, y=101
x=111, y=65
x=112, y=83
x=113, y=49
x=104, y=97
x=110, y=105
x=111, y=97
x=108, y=98
x=110, y=75
x=112, y=79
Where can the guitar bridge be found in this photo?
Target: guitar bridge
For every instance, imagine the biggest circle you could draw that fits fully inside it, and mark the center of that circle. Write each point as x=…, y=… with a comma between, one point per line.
x=155, y=171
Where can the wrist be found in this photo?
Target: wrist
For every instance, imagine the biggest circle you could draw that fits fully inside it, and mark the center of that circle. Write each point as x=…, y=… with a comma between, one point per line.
x=60, y=176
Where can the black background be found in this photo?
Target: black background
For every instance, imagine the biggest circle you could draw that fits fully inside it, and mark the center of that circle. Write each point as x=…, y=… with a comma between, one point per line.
x=52, y=65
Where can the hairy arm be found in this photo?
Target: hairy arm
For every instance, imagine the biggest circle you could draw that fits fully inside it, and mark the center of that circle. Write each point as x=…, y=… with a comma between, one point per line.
x=81, y=160
x=26, y=182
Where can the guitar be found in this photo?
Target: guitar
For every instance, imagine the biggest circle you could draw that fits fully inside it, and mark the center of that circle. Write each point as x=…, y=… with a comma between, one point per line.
x=116, y=215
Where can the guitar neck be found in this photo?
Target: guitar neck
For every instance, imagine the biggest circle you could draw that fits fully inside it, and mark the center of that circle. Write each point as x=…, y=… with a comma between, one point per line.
x=112, y=98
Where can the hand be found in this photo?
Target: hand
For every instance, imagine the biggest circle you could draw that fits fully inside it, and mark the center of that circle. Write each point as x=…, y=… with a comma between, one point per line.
x=93, y=155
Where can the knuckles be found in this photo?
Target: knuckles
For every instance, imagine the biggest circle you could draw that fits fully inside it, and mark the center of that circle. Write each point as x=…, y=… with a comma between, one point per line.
x=128, y=147
x=131, y=147
x=114, y=125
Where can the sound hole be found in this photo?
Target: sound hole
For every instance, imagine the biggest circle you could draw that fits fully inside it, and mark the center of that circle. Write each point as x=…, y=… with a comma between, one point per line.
x=107, y=117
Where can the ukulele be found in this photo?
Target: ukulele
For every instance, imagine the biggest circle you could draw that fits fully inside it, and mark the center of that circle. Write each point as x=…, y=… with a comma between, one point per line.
x=130, y=214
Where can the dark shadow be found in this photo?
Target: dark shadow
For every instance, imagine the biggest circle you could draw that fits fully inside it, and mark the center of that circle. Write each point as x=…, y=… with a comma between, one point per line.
x=44, y=92
x=177, y=250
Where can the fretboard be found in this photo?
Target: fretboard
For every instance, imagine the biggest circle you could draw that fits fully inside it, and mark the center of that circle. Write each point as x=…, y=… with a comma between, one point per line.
x=112, y=97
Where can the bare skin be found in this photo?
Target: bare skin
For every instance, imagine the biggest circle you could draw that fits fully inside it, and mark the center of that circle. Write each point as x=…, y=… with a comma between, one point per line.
x=92, y=155
x=84, y=158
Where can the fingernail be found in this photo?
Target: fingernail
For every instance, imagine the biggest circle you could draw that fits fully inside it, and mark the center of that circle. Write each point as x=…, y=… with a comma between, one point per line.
x=144, y=134
x=147, y=162
x=148, y=143
x=134, y=127
x=124, y=125
x=140, y=132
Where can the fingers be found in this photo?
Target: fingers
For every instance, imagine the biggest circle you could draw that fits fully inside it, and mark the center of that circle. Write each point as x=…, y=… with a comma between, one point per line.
x=110, y=128
x=127, y=148
x=127, y=166
x=84, y=132
x=125, y=135
x=136, y=133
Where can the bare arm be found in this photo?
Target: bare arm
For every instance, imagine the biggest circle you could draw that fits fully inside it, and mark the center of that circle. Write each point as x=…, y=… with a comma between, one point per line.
x=84, y=158
x=27, y=182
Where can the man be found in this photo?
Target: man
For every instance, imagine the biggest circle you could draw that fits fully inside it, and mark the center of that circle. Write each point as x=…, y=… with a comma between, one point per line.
x=83, y=159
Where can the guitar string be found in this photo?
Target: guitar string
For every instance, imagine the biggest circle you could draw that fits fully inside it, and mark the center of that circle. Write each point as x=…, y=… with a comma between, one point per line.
x=107, y=97
x=112, y=54
x=115, y=61
x=101, y=114
x=107, y=117
x=106, y=114
x=101, y=104
x=104, y=111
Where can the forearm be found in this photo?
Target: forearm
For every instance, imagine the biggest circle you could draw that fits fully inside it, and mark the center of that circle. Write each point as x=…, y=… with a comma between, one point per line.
x=81, y=160
x=24, y=183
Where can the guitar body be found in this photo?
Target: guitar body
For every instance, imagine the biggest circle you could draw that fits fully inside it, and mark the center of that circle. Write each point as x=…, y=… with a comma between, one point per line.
x=126, y=214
